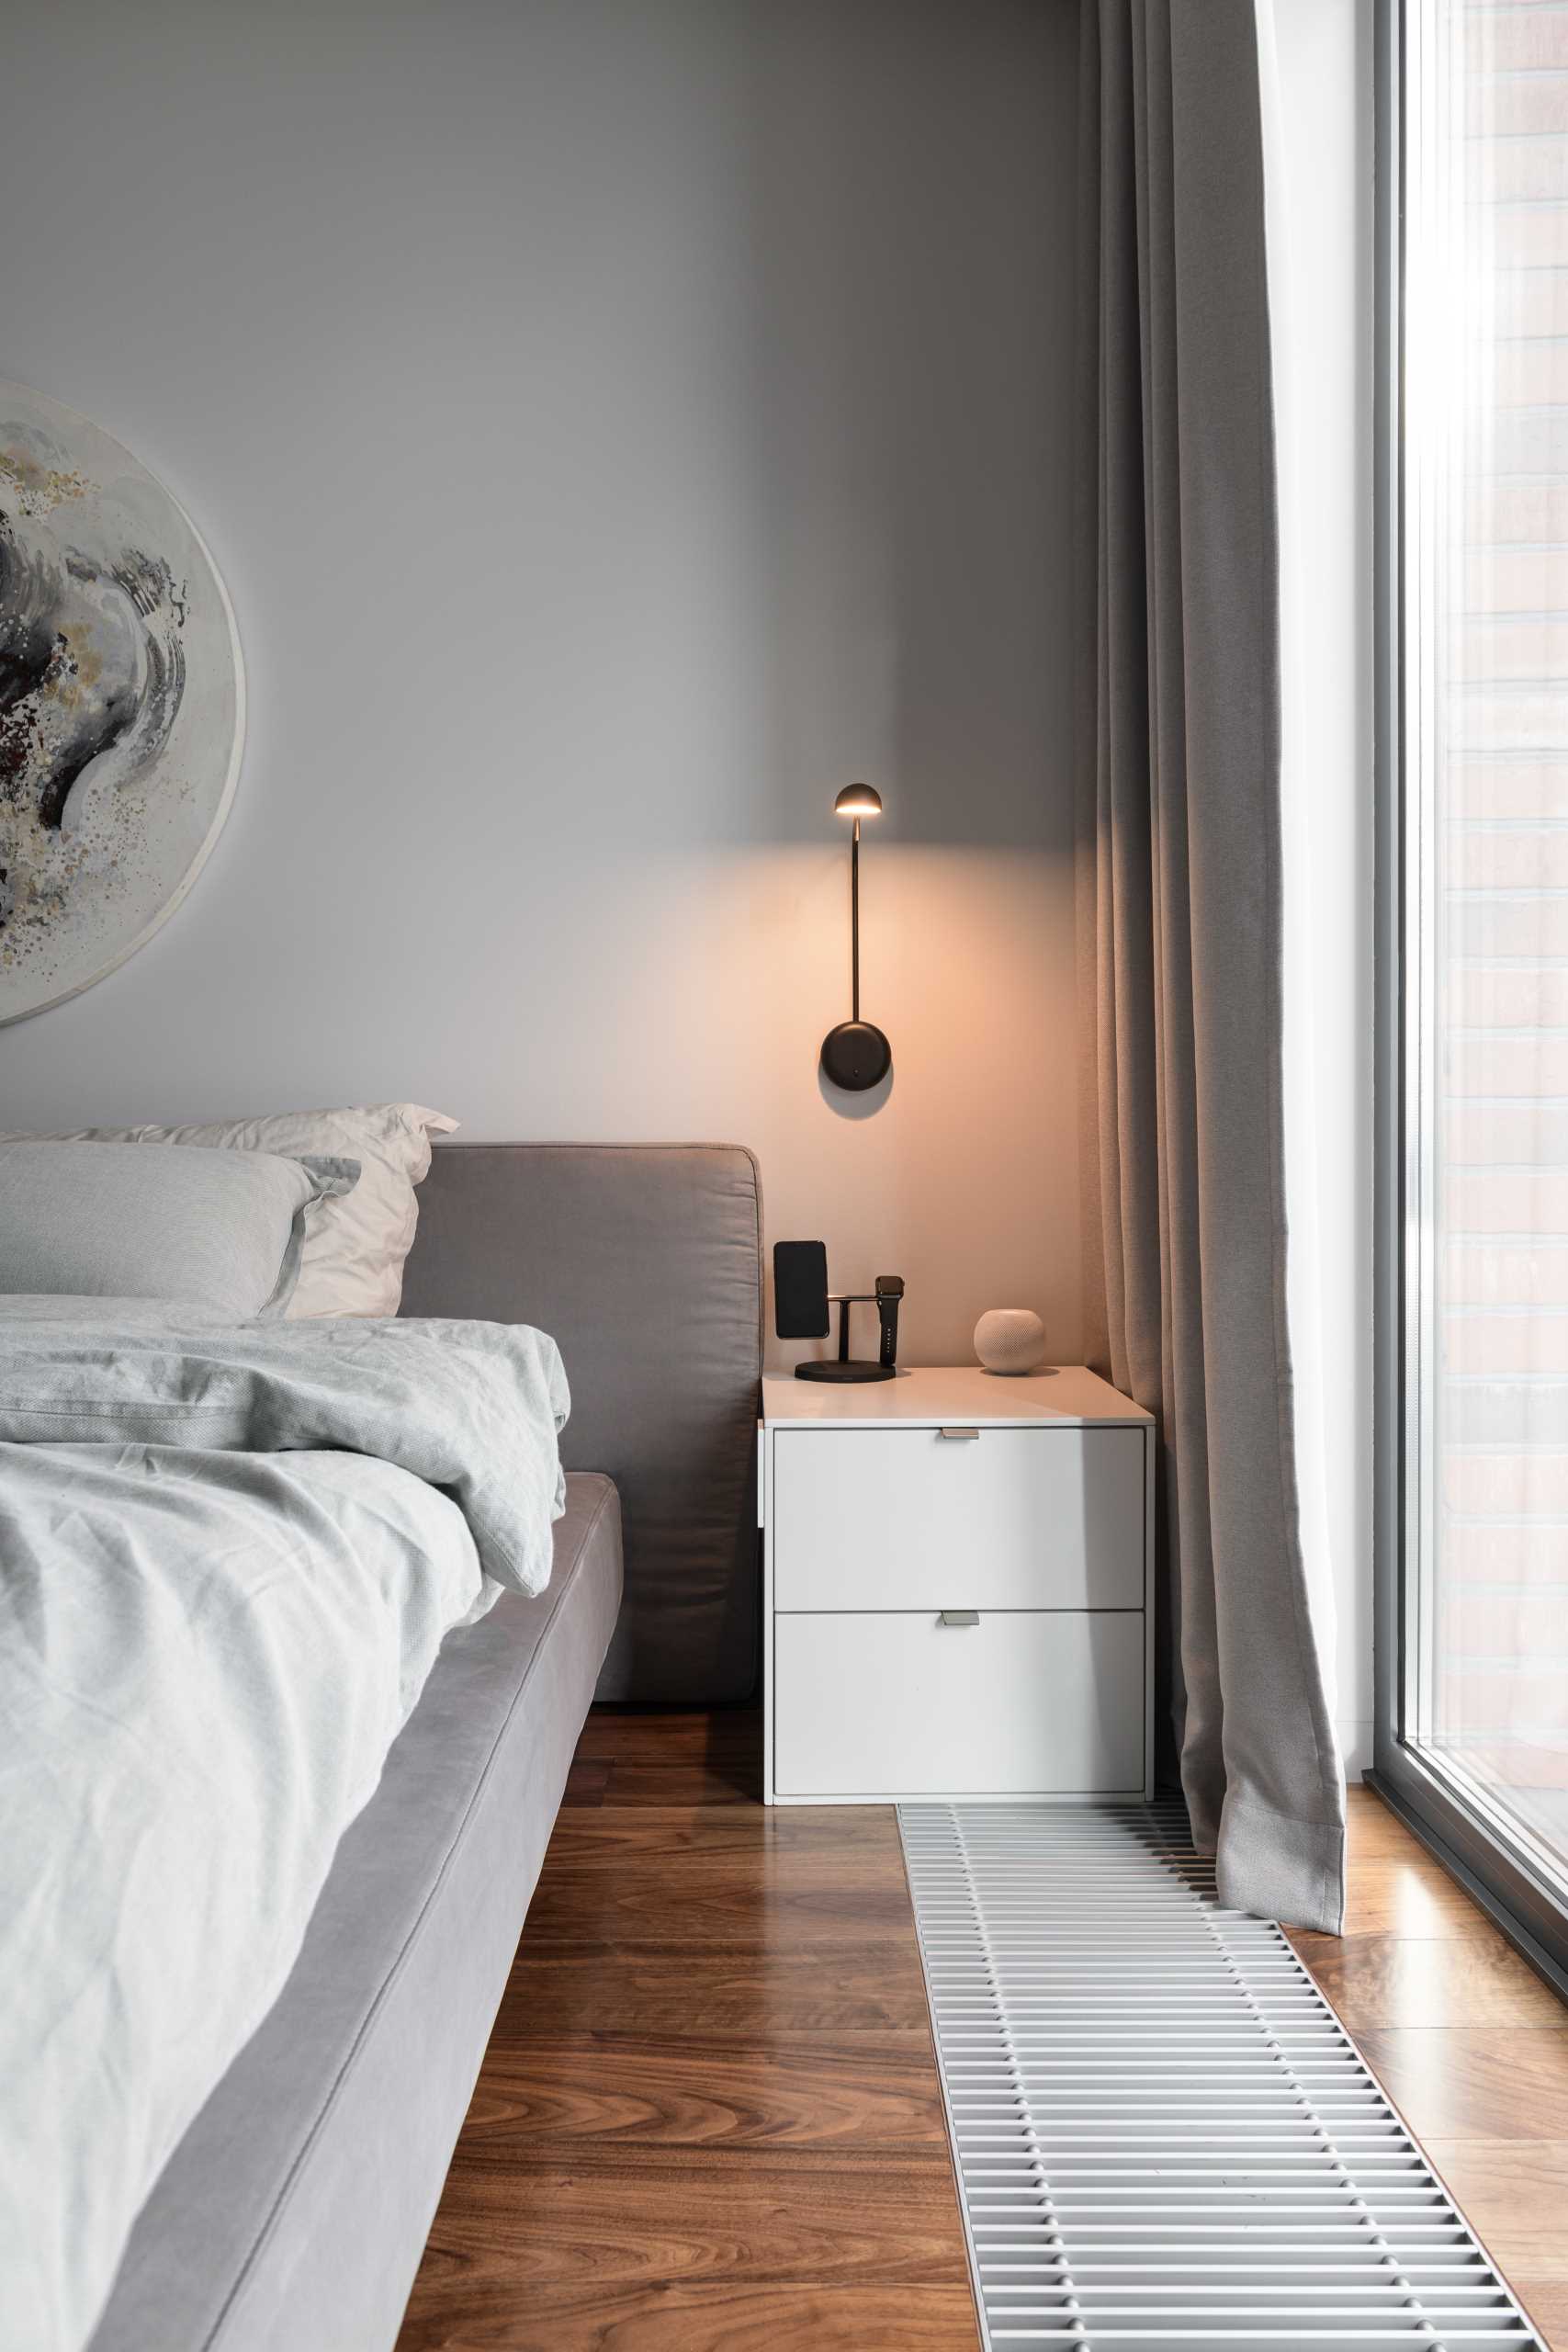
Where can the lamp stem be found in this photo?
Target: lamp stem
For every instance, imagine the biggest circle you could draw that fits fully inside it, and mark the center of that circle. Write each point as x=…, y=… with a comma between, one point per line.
x=854, y=923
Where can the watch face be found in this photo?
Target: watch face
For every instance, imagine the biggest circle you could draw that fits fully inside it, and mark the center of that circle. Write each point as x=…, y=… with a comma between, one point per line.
x=856, y=1054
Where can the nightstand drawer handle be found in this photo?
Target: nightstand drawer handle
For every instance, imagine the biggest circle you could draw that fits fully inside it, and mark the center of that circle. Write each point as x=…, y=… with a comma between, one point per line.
x=959, y=1616
x=958, y=1433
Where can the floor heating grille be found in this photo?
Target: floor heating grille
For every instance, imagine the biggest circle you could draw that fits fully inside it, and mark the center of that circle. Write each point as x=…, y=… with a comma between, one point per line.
x=1162, y=2132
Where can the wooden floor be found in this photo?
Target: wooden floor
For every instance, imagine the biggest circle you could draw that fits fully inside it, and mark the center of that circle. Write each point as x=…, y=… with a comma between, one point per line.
x=1469, y=2044
x=710, y=2119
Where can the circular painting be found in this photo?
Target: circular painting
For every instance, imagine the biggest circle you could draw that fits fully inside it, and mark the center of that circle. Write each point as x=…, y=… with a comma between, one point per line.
x=122, y=701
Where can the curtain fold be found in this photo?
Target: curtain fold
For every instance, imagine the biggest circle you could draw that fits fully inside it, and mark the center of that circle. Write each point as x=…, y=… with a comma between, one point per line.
x=1180, y=919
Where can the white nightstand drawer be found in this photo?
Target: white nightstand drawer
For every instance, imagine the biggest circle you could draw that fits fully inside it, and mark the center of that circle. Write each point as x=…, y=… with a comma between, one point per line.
x=1004, y=1518
x=899, y=1705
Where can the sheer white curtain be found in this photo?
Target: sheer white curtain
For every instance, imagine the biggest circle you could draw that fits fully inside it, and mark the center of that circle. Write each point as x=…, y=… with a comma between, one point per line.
x=1318, y=169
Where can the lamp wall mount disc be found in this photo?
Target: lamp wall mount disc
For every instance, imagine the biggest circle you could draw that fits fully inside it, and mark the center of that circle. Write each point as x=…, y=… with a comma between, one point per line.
x=856, y=1056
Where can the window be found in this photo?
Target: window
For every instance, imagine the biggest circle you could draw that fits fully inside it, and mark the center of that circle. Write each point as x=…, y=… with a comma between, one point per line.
x=1476, y=848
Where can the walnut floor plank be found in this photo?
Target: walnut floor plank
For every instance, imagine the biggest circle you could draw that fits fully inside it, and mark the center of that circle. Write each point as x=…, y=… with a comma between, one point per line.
x=1507, y=2084
x=1515, y=2194
x=1459, y=1981
x=786, y=2315
x=1410, y=1896
x=752, y=1903
x=841, y=1832
x=629, y=2214
x=1371, y=1829
x=586, y=1782
x=671, y=1737
x=1546, y=2301
x=657, y=1785
x=707, y=1989
x=870, y=2090
x=627, y=2232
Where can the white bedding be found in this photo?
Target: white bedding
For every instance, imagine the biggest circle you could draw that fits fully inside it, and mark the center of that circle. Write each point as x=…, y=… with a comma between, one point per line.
x=204, y=1657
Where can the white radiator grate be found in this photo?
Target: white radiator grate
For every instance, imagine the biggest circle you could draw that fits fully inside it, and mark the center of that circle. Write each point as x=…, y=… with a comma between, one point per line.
x=1163, y=2134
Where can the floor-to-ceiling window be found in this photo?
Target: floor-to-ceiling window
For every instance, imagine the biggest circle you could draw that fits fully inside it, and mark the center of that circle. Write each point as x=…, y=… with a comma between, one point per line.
x=1476, y=320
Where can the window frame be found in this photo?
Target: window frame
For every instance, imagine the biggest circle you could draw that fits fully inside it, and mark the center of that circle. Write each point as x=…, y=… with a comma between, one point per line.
x=1471, y=1838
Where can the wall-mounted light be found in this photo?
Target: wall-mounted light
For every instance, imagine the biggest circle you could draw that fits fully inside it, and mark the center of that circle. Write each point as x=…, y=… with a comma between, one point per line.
x=856, y=1054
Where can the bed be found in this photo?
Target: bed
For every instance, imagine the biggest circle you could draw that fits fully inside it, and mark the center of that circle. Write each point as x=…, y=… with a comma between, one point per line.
x=294, y=2211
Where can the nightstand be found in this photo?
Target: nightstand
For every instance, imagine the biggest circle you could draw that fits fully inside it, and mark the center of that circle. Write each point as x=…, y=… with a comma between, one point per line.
x=957, y=1588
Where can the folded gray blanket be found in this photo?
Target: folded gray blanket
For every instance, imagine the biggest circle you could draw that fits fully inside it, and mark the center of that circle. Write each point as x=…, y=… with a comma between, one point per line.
x=474, y=1408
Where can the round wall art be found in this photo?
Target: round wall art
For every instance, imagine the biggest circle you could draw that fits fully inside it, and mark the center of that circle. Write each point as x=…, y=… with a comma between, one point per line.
x=122, y=702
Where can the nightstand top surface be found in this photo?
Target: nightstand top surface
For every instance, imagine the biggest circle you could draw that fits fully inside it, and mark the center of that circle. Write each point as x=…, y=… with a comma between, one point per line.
x=1068, y=1394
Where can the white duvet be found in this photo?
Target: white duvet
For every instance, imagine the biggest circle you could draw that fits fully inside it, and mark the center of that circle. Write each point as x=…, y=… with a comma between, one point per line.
x=205, y=1654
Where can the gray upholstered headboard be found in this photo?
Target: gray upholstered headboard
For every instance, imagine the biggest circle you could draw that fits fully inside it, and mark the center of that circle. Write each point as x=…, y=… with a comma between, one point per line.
x=644, y=1263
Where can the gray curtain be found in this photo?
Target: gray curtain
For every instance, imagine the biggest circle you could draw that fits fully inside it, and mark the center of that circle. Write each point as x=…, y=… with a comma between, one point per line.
x=1179, y=914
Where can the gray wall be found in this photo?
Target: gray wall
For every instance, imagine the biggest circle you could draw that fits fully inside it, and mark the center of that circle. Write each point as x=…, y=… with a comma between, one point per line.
x=619, y=423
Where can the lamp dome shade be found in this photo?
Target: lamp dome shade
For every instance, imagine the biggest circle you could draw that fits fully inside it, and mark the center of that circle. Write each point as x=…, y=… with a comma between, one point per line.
x=858, y=800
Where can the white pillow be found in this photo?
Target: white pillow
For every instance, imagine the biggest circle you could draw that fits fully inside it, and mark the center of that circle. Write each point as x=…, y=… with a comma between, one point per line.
x=355, y=1246
x=224, y=1230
